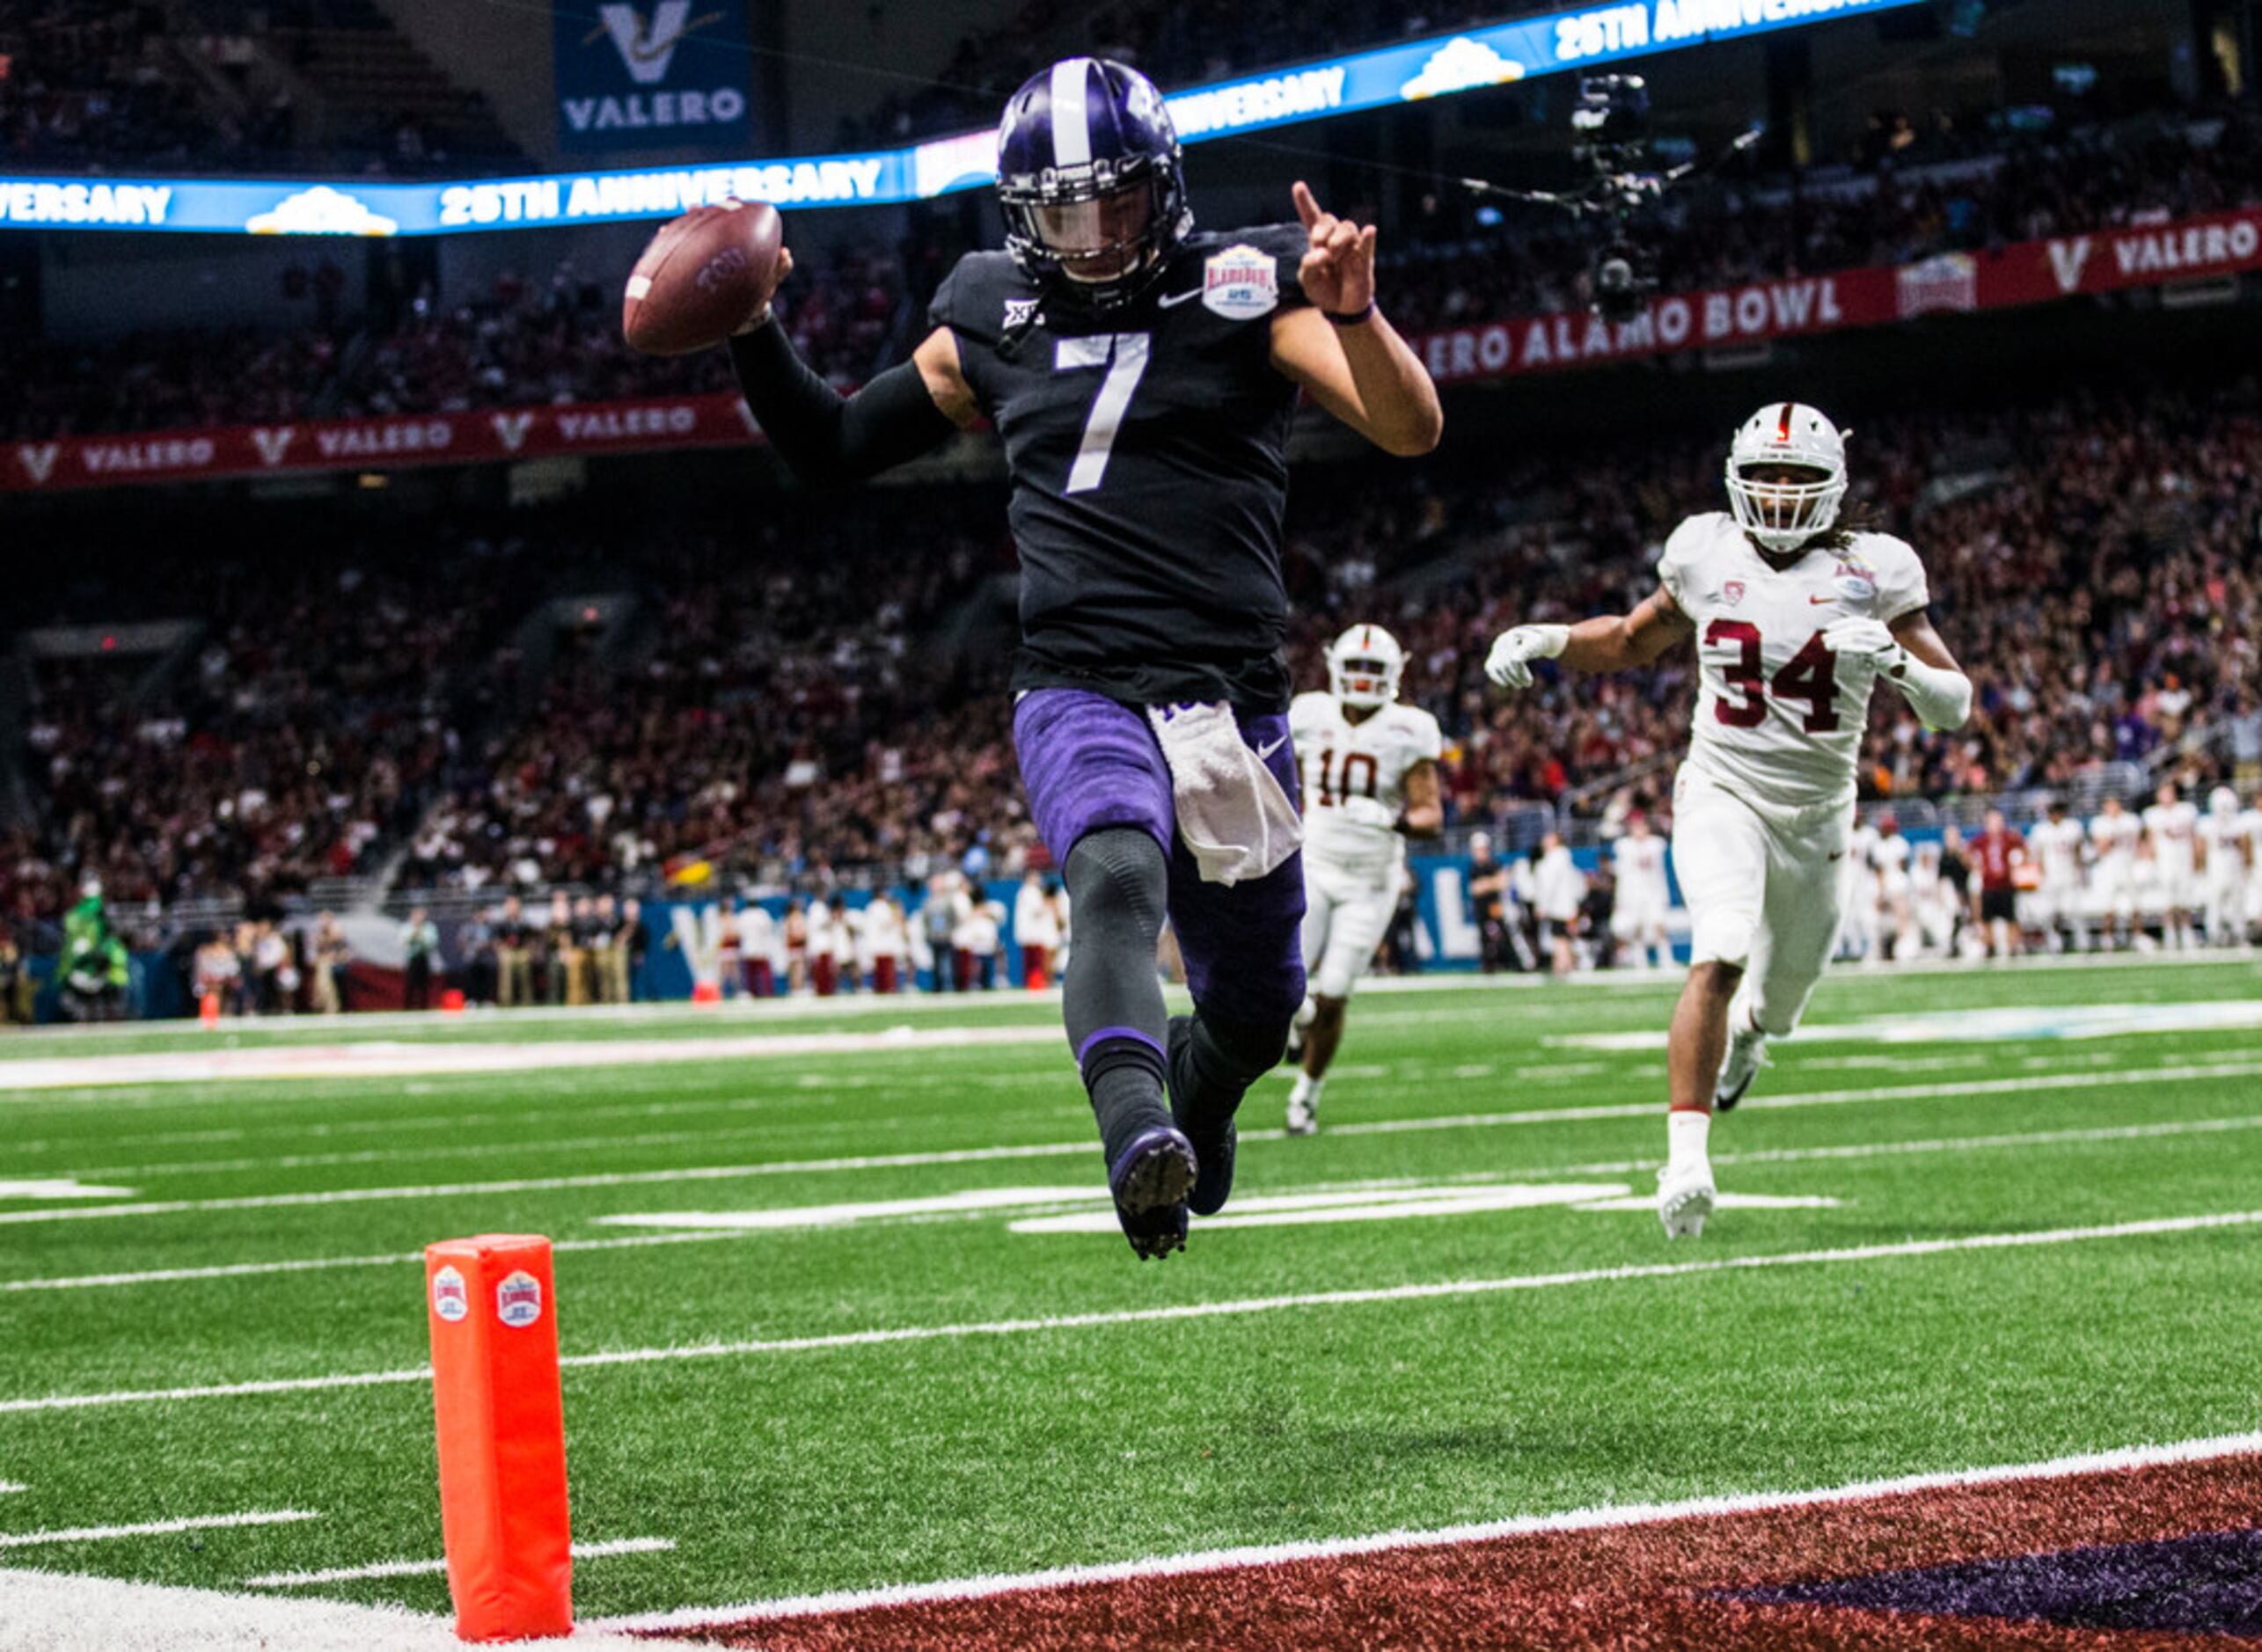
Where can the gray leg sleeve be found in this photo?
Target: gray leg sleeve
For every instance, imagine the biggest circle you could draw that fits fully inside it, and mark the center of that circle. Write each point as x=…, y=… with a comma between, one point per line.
x=1118, y=884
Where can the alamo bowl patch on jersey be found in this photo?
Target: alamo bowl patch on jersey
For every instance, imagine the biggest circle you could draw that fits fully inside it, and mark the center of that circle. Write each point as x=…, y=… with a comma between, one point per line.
x=1240, y=283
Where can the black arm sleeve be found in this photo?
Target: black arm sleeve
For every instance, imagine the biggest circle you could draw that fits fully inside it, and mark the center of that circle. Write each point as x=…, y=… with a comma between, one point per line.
x=823, y=436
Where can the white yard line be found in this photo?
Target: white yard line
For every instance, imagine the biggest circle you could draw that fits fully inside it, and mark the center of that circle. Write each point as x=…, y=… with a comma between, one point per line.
x=2026, y=1084
x=1230, y=1308
x=154, y=1528
x=50, y=1612
x=418, y=1568
x=1524, y=1525
x=1600, y=1168
x=392, y=1059
x=7, y=1485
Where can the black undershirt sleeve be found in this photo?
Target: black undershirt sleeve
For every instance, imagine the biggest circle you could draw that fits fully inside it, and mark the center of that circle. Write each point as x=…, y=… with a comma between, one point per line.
x=825, y=437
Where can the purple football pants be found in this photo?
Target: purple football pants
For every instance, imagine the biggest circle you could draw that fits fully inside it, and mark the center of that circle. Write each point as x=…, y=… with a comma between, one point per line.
x=1089, y=762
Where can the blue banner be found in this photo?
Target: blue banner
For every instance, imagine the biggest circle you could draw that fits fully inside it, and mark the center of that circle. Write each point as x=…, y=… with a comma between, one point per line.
x=1438, y=67
x=650, y=74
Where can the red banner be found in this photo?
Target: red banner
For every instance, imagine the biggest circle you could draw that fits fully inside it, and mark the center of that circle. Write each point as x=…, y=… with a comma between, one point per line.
x=2025, y=273
x=483, y=436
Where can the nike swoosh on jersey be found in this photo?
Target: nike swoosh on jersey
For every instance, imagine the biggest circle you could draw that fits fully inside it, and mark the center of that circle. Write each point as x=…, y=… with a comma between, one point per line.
x=1178, y=299
x=1264, y=753
x=1821, y=599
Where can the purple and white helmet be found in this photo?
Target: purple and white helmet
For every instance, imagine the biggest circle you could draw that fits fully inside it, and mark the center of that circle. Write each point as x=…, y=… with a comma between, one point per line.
x=1784, y=515
x=1091, y=180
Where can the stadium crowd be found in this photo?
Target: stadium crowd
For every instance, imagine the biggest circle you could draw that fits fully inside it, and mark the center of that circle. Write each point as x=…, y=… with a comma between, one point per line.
x=819, y=700
x=532, y=339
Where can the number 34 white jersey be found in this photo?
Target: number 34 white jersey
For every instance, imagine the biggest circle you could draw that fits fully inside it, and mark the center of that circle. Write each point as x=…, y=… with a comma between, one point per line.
x=1778, y=716
x=1355, y=777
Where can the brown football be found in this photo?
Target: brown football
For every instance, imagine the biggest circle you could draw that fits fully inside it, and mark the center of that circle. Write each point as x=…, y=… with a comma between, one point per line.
x=701, y=277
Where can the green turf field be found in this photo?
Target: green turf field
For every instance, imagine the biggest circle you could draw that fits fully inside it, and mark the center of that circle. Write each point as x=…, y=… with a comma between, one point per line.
x=781, y=1450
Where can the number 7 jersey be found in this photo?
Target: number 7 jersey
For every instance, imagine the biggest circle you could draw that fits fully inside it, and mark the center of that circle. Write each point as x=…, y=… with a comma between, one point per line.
x=1147, y=448
x=1778, y=716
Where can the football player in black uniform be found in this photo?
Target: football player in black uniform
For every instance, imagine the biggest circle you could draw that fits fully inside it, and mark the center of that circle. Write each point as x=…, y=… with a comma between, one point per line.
x=1143, y=377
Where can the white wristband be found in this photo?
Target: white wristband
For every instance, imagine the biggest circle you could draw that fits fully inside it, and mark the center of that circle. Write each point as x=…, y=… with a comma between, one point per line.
x=1553, y=640
x=1940, y=699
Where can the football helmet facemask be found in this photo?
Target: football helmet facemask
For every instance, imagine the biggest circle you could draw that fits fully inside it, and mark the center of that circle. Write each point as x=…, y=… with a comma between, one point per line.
x=1364, y=666
x=1091, y=181
x=1782, y=440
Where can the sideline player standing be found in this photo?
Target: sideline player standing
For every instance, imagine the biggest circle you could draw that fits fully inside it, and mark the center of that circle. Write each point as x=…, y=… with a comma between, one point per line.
x=2171, y=825
x=1645, y=894
x=1796, y=621
x=1370, y=772
x=2058, y=842
x=1144, y=377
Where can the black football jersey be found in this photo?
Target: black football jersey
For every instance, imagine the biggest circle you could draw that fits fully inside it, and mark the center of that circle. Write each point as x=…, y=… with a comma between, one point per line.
x=1148, y=452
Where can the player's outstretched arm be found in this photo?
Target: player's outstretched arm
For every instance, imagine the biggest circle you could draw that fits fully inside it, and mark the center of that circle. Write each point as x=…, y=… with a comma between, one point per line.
x=1910, y=655
x=1341, y=350
x=1608, y=642
x=825, y=437
x=1424, y=815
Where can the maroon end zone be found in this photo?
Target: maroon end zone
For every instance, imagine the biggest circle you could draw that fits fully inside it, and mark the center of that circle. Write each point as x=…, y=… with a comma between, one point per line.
x=2084, y=1549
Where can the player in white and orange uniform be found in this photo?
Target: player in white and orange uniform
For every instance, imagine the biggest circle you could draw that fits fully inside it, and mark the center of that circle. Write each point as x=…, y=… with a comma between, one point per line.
x=1795, y=622
x=2172, y=827
x=1644, y=898
x=1370, y=781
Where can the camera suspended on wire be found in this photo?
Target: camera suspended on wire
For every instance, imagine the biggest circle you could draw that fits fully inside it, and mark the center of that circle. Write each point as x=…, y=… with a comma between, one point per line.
x=1610, y=141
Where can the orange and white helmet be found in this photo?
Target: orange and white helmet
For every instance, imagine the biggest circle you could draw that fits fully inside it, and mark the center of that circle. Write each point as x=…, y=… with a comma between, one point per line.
x=1784, y=516
x=1364, y=666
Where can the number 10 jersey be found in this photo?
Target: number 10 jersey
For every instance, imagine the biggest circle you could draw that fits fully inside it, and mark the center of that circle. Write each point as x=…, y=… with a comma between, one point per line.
x=1778, y=716
x=1147, y=448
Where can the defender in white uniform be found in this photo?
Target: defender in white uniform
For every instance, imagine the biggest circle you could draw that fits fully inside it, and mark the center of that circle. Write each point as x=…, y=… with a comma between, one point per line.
x=2062, y=902
x=1370, y=781
x=2172, y=826
x=1795, y=622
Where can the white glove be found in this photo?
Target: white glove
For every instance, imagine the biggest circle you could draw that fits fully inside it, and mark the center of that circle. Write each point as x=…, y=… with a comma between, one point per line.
x=1369, y=811
x=1509, y=665
x=1869, y=638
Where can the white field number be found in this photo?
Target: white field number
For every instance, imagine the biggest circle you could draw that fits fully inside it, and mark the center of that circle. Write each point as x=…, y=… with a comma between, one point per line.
x=1124, y=356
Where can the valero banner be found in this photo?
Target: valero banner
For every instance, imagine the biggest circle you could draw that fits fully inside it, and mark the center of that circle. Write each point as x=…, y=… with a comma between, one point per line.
x=651, y=74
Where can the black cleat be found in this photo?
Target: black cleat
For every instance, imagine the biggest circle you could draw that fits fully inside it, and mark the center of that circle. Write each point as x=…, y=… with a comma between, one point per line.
x=1149, y=1182
x=1213, y=1140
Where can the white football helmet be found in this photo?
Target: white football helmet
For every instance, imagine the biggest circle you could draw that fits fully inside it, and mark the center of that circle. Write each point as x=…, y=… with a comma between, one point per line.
x=1784, y=516
x=1364, y=666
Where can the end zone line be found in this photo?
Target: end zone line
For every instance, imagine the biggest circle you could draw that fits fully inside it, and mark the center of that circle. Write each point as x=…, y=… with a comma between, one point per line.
x=416, y=1569
x=154, y=1528
x=2117, y=1077
x=1232, y=1307
x=1336, y=1548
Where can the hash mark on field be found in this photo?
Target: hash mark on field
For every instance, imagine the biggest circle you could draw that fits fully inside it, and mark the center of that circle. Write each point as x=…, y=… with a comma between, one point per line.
x=1232, y=1307
x=153, y=1528
x=1041, y=1149
x=416, y=1569
x=7, y=1485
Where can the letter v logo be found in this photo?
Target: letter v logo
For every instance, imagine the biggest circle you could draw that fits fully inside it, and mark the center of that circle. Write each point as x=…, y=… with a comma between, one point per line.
x=511, y=428
x=273, y=444
x=2067, y=259
x=38, y=459
x=647, y=54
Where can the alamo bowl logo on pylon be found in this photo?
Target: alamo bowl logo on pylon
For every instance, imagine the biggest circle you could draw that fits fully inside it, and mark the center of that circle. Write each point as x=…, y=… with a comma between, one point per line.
x=1240, y=283
x=518, y=1300
x=450, y=1300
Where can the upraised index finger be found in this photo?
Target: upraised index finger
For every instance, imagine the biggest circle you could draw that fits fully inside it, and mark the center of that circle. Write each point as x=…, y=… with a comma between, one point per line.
x=1307, y=208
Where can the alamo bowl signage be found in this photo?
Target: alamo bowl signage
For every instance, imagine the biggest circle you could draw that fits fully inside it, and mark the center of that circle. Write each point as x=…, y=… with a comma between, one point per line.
x=651, y=74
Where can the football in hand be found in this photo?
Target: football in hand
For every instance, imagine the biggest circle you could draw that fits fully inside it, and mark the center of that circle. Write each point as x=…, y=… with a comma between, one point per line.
x=701, y=278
